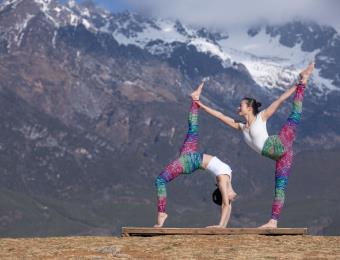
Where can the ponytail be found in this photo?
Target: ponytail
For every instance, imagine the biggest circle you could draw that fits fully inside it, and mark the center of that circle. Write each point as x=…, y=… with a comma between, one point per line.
x=251, y=102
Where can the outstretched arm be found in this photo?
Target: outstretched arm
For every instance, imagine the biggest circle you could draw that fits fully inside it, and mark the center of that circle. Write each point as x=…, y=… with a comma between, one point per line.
x=225, y=119
x=269, y=111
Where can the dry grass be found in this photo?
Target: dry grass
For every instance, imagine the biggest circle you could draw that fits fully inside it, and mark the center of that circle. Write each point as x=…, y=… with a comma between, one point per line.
x=173, y=247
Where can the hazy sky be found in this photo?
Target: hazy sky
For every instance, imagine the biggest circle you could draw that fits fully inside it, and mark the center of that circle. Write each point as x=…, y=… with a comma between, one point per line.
x=228, y=13
x=112, y=5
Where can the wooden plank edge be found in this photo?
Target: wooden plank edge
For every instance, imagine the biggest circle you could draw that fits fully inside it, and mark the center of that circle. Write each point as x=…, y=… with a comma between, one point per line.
x=146, y=231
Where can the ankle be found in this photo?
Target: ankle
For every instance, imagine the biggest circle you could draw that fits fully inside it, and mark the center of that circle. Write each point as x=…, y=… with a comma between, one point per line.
x=273, y=221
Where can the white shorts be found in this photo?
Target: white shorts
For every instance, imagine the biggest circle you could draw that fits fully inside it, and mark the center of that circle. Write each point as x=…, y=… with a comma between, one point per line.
x=217, y=167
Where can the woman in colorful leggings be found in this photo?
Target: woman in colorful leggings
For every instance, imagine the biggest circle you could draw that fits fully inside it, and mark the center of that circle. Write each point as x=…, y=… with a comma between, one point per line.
x=277, y=147
x=191, y=160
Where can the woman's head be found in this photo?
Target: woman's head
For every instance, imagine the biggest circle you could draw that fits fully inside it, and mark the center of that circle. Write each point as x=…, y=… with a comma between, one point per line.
x=217, y=197
x=249, y=105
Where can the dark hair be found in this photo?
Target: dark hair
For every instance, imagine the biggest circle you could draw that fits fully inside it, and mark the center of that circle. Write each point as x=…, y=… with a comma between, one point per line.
x=217, y=197
x=251, y=102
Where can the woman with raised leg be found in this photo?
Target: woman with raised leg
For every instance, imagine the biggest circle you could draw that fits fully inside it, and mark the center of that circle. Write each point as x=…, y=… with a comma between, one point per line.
x=276, y=147
x=190, y=160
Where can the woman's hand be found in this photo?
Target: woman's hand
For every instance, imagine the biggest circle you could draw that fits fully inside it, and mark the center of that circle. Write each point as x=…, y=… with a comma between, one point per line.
x=198, y=102
x=215, y=226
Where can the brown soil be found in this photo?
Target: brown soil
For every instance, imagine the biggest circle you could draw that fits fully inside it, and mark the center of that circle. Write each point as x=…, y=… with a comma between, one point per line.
x=173, y=247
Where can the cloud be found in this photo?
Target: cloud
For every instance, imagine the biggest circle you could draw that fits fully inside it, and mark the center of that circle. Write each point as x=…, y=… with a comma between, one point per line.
x=112, y=5
x=229, y=13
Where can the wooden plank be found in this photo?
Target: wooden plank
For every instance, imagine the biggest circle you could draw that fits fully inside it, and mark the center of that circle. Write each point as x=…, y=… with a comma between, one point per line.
x=148, y=231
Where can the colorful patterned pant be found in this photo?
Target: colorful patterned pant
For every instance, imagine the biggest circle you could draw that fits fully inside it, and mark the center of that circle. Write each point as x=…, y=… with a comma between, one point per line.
x=188, y=161
x=280, y=148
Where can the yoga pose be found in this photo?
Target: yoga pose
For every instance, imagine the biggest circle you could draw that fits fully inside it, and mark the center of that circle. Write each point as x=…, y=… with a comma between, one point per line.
x=191, y=160
x=277, y=147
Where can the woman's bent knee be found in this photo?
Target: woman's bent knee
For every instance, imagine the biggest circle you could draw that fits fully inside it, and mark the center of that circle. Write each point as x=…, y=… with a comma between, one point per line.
x=160, y=181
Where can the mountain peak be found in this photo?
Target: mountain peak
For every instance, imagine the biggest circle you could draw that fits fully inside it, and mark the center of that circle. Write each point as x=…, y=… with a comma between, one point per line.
x=42, y=3
x=45, y=4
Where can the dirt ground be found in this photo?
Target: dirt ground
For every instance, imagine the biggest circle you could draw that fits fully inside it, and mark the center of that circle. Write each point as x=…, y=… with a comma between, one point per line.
x=173, y=247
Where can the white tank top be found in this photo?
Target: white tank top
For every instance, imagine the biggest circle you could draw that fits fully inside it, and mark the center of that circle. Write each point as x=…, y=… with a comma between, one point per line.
x=256, y=135
x=217, y=167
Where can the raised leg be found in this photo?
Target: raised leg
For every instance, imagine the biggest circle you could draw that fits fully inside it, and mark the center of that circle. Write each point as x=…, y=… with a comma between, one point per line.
x=295, y=116
x=286, y=137
x=284, y=163
x=190, y=143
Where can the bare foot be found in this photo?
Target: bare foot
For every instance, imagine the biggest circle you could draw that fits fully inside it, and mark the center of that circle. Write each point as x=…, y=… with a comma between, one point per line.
x=271, y=224
x=197, y=93
x=161, y=219
x=306, y=73
x=215, y=226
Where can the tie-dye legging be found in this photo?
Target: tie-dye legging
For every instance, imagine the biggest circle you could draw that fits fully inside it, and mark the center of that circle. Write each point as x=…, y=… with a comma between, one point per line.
x=280, y=148
x=188, y=161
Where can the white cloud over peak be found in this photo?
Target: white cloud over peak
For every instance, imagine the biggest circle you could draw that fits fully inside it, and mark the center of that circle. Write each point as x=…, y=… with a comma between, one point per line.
x=231, y=13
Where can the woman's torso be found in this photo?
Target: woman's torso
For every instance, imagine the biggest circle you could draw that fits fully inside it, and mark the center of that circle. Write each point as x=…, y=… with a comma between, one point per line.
x=255, y=135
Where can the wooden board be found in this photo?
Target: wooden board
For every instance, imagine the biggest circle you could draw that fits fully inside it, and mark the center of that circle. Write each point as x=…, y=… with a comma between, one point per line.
x=149, y=231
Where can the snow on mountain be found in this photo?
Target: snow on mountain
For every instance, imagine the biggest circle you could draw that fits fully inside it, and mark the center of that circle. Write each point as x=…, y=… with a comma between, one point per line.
x=58, y=14
x=270, y=63
x=21, y=27
x=166, y=32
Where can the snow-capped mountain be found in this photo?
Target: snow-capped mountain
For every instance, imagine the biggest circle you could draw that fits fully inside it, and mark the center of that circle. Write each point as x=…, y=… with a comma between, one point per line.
x=270, y=60
x=272, y=55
